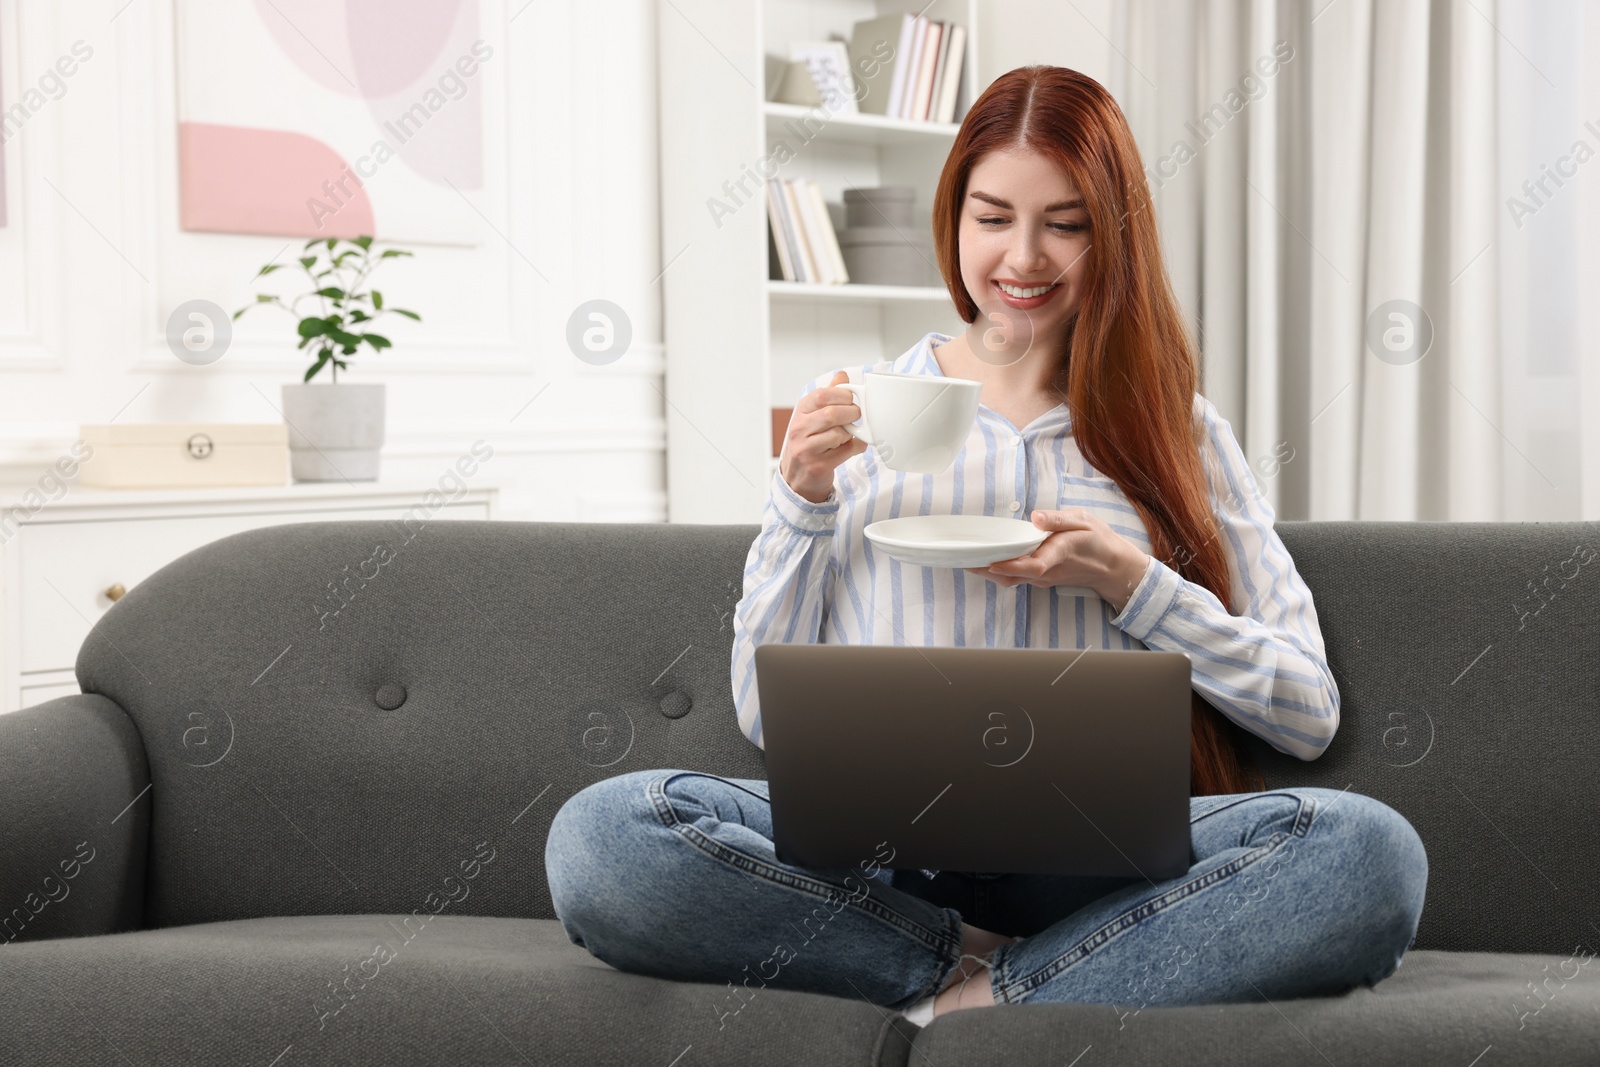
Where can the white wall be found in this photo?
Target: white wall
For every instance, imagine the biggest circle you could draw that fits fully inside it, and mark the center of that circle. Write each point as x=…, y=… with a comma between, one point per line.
x=93, y=261
x=1016, y=33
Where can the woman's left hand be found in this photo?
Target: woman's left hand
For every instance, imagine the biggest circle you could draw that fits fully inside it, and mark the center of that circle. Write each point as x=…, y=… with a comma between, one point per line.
x=1081, y=550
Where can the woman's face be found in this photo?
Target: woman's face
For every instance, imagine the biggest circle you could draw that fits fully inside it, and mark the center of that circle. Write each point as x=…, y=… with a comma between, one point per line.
x=1024, y=228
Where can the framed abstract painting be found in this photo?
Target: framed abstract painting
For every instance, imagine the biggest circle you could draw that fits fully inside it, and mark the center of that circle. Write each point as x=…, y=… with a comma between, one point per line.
x=332, y=118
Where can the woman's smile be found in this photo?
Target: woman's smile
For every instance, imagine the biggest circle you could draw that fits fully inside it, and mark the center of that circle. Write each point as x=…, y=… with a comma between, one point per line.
x=1008, y=291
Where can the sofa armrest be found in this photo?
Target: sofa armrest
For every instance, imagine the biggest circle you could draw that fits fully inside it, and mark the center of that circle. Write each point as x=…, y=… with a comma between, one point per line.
x=74, y=820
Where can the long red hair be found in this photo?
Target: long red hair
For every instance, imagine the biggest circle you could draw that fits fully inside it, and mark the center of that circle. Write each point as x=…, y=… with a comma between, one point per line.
x=1130, y=370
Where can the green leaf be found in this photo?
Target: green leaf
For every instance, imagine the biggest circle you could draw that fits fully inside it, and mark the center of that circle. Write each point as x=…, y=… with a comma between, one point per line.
x=359, y=316
x=314, y=327
x=331, y=242
x=349, y=340
x=407, y=314
x=390, y=253
x=318, y=365
x=377, y=300
x=269, y=268
x=308, y=262
x=364, y=241
x=265, y=298
x=331, y=291
x=259, y=301
x=377, y=340
x=314, y=240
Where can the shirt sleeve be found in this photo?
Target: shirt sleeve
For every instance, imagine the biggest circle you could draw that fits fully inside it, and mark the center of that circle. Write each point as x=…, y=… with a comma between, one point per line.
x=785, y=588
x=1266, y=669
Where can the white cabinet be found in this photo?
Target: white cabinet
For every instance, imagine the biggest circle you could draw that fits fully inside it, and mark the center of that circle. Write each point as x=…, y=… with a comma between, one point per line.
x=61, y=565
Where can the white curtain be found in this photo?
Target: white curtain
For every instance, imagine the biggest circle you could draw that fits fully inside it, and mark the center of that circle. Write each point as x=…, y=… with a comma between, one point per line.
x=1333, y=179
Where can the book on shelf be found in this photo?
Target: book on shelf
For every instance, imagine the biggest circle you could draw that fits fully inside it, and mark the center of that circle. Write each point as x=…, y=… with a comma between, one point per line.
x=950, y=65
x=870, y=39
x=805, y=265
x=941, y=65
x=802, y=232
x=830, y=239
x=927, y=64
x=921, y=80
x=813, y=227
x=907, y=77
x=777, y=229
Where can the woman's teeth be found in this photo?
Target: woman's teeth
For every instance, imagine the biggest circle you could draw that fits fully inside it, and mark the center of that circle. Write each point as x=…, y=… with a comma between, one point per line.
x=1025, y=293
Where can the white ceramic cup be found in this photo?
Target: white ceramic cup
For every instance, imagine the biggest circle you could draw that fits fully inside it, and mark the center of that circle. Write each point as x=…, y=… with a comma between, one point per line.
x=917, y=422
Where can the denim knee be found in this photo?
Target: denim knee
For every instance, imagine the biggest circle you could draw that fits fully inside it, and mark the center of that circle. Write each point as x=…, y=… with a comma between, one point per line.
x=1390, y=878
x=588, y=833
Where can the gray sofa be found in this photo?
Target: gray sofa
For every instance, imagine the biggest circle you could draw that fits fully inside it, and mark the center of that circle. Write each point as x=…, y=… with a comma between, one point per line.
x=299, y=813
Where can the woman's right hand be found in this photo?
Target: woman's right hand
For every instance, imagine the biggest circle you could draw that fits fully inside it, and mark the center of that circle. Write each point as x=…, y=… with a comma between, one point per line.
x=817, y=442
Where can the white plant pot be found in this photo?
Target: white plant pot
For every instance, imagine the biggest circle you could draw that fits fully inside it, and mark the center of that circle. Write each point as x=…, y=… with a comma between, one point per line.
x=335, y=430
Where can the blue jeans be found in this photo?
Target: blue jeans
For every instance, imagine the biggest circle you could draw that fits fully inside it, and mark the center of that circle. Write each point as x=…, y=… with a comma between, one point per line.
x=1291, y=893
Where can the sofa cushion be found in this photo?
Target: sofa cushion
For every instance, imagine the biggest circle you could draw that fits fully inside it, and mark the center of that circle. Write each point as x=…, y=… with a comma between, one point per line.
x=1439, y=1007
x=456, y=989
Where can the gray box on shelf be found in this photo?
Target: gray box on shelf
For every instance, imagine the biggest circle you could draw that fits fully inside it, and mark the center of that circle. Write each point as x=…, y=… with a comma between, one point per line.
x=881, y=242
x=887, y=255
x=886, y=205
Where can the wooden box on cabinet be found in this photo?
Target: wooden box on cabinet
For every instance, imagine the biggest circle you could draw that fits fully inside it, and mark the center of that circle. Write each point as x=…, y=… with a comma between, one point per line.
x=185, y=454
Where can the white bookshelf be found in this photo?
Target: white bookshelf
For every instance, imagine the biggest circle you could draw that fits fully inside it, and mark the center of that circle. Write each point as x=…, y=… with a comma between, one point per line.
x=740, y=342
x=864, y=128
x=791, y=292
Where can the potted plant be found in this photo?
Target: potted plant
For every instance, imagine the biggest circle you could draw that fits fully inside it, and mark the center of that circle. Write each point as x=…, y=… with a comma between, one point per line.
x=335, y=431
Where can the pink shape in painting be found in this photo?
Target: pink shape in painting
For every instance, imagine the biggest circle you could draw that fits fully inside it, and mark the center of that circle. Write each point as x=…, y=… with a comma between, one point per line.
x=393, y=55
x=234, y=179
x=369, y=48
x=399, y=43
x=410, y=86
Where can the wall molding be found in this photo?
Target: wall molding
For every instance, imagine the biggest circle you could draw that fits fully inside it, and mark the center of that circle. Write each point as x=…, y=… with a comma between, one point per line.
x=431, y=357
x=31, y=239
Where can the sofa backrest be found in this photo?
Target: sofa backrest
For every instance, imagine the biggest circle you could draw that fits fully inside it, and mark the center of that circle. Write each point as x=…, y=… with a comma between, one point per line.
x=340, y=720
x=1468, y=662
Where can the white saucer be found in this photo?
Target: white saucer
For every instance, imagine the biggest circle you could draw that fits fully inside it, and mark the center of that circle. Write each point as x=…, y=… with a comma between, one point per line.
x=954, y=540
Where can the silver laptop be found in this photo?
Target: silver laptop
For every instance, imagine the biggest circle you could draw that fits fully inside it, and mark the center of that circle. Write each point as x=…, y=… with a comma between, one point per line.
x=1001, y=760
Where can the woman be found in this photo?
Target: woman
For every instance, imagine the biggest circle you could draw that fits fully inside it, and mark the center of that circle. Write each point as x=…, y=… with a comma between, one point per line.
x=1091, y=421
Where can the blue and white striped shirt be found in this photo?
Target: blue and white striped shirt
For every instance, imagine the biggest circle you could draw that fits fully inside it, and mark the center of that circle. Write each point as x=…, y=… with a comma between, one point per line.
x=812, y=576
